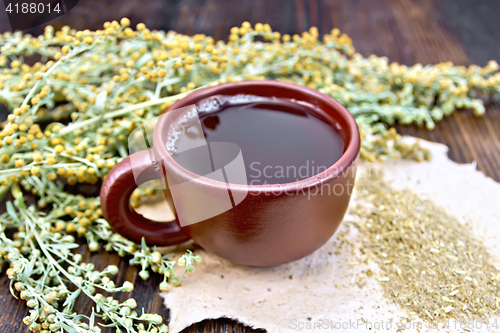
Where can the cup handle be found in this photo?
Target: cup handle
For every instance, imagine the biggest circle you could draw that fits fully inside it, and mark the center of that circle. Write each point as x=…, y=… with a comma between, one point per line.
x=115, y=203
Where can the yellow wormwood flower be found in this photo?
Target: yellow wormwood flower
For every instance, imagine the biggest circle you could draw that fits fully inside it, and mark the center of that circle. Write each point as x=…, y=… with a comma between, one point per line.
x=59, y=148
x=125, y=22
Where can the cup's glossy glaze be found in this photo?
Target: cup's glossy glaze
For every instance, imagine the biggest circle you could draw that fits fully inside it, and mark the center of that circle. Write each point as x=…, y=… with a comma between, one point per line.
x=275, y=223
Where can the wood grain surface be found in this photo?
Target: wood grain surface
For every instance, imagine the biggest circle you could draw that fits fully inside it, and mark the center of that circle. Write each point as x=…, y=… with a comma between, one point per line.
x=406, y=31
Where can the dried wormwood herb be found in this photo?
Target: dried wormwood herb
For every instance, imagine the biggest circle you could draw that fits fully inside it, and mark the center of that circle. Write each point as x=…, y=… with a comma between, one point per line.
x=433, y=267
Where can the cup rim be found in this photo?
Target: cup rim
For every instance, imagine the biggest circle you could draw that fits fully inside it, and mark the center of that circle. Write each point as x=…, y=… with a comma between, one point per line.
x=349, y=156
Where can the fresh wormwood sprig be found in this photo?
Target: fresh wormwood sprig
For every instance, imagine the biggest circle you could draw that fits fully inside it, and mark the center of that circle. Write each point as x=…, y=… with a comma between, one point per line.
x=43, y=266
x=73, y=109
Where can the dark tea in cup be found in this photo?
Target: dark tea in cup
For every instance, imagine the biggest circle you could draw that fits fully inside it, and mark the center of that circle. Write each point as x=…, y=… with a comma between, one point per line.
x=281, y=140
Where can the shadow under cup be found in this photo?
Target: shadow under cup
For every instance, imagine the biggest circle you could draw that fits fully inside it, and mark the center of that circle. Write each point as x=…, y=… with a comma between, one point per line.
x=257, y=225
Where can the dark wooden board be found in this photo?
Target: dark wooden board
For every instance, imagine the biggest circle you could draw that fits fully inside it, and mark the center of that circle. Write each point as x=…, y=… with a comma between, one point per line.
x=406, y=31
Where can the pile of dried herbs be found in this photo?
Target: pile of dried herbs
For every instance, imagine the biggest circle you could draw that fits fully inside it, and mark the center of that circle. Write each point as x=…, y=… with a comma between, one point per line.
x=73, y=107
x=430, y=264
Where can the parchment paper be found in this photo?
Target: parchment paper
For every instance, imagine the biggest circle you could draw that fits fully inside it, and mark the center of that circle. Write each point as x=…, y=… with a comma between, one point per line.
x=327, y=291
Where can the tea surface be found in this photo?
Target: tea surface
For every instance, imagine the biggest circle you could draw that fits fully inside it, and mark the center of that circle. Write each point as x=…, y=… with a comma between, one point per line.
x=281, y=141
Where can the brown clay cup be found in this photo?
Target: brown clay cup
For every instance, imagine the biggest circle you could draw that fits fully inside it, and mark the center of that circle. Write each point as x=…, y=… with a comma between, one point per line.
x=274, y=224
